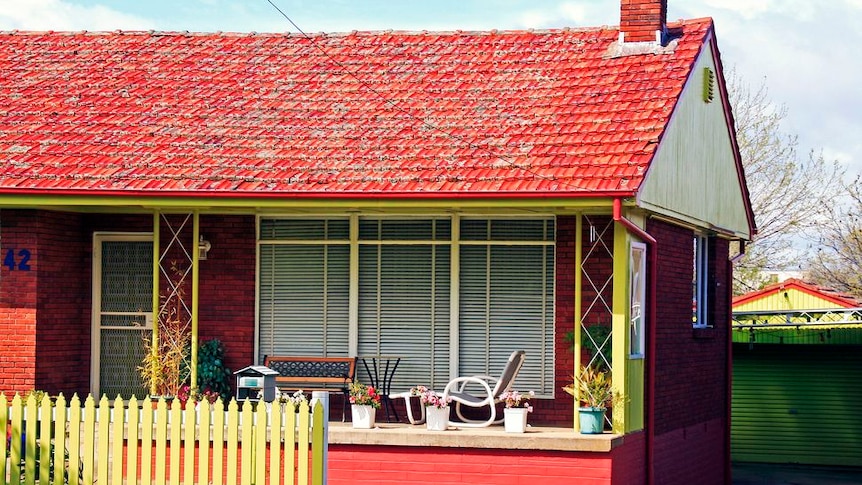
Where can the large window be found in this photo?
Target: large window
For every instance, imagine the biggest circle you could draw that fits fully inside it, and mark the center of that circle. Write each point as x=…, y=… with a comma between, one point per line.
x=384, y=286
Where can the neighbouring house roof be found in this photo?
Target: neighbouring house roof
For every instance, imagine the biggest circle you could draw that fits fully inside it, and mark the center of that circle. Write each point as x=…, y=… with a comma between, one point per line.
x=430, y=114
x=825, y=297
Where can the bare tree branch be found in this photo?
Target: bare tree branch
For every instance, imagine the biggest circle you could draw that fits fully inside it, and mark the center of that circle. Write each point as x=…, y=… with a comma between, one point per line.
x=790, y=194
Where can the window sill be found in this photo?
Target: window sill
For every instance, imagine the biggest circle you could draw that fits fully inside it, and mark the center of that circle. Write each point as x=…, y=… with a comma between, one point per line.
x=706, y=332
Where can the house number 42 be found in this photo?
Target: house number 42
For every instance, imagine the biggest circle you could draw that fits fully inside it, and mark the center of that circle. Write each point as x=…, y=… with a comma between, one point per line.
x=21, y=262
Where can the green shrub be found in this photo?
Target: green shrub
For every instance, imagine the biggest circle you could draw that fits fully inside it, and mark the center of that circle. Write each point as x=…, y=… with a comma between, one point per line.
x=213, y=375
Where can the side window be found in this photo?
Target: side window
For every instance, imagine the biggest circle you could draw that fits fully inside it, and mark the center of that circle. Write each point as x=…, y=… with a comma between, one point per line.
x=700, y=281
x=637, y=310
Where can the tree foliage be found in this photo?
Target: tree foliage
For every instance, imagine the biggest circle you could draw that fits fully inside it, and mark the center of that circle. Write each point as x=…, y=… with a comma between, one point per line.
x=837, y=262
x=790, y=194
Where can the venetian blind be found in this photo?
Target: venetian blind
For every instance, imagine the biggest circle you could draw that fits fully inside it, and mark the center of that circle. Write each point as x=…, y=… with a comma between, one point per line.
x=304, y=280
x=404, y=281
x=507, y=299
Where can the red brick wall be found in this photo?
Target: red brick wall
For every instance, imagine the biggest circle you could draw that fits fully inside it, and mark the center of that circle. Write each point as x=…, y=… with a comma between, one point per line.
x=640, y=19
x=60, y=272
x=560, y=410
x=692, y=454
x=691, y=385
x=227, y=287
x=629, y=461
x=63, y=328
x=18, y=303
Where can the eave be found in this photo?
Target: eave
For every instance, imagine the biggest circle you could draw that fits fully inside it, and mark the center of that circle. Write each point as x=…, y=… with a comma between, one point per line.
x=257, y=202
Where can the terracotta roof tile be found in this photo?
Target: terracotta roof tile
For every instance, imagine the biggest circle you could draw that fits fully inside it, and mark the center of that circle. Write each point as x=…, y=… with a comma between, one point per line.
x=364, y=113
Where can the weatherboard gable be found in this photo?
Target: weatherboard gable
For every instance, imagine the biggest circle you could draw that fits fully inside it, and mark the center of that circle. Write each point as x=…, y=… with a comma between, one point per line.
x=694, y=176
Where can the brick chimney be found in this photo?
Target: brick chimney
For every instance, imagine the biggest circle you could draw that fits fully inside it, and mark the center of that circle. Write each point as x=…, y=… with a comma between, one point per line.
x=642, y=20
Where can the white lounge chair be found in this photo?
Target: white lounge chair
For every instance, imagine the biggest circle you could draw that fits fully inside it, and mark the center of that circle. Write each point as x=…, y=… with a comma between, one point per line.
x=457, y=390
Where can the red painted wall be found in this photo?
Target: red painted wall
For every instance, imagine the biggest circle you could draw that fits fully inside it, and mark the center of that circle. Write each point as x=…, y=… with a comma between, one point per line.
x=691, y=386
x=457, y=466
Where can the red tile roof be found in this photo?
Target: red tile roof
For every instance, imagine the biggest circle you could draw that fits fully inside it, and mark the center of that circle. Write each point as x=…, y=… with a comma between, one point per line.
x=386, y=113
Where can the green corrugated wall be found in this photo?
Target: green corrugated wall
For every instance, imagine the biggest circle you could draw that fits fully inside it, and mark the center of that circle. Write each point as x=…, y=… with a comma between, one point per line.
x=797, y=404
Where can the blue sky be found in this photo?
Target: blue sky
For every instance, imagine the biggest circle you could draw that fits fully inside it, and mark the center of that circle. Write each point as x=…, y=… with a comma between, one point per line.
x=806, y=51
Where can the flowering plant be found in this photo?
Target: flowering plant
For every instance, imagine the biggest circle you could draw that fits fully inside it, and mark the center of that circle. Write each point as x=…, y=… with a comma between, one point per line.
x=515, y=399
x=430, y=398
x=296, y=398
x=363, y=395
x=186, y=392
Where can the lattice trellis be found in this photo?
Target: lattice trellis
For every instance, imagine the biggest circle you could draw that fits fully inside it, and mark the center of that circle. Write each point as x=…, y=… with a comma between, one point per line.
x=176, y=264
x=598, y=278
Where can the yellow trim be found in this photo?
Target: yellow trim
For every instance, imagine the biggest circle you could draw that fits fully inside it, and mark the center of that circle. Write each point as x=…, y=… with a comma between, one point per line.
x=156, y=264
x=196, y=232
x=619, y=322
x=122, y=204
x=579, y=286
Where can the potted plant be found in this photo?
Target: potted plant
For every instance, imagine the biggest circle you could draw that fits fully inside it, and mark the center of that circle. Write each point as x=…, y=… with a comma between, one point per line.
x=593, y=389
x=166, y=363
x=516, y=410
x=436, y=408
x=364, y=403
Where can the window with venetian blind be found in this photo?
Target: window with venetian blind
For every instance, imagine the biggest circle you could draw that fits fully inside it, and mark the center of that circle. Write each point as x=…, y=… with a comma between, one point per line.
x=404, y=286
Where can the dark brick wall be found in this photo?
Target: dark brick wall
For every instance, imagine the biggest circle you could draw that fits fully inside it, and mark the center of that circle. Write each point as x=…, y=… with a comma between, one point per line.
x=63, y=328
x=691, y=377
x=227, y=287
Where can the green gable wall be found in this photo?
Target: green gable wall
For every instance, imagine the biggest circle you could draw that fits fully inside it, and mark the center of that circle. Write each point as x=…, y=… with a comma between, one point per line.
x=694, y=176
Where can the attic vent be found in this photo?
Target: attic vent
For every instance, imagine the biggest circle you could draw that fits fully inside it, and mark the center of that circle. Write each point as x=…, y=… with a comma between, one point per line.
x=708, y=85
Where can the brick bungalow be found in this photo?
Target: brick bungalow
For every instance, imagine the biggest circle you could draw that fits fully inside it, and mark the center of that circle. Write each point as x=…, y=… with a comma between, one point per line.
x=446, y=196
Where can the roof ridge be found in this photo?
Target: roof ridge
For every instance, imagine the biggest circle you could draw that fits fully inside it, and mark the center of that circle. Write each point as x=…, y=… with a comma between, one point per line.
x=677, y=23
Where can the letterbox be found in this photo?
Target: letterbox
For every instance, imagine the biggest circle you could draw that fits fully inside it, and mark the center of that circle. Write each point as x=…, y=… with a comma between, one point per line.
x=255, y=382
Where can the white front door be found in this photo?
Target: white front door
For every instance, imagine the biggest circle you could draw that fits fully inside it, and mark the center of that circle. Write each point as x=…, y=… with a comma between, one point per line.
x=122, y=312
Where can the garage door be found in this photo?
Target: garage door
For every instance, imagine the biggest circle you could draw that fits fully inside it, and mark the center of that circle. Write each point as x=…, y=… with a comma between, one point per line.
x=797, y=404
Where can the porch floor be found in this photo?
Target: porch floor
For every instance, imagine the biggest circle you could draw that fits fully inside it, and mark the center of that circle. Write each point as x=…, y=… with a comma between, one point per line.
x=492, y=437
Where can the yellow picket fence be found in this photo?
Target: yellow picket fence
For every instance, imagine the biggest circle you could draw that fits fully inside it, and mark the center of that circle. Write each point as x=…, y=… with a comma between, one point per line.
x=128, y=442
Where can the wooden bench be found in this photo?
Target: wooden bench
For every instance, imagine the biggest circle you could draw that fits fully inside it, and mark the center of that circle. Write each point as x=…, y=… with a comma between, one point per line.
x=313, y=374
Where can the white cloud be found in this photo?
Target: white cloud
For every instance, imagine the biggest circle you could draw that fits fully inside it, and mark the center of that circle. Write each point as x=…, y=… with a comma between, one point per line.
x=752, y=9
x=60, y=15
x=572, y=14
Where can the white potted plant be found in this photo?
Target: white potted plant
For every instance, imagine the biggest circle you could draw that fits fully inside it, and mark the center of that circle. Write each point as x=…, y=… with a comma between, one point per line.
x=436, y=408
x=517, y=408
x=364, y=403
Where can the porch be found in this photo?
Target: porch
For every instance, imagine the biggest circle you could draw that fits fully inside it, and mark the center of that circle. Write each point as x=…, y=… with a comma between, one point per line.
x=393, y=453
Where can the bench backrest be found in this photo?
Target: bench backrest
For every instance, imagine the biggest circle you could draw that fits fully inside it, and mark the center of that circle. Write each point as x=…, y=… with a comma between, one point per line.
x=293, y=369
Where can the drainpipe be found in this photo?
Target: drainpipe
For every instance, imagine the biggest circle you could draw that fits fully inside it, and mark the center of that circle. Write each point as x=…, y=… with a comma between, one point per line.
x=649, y=385
x=728, y=471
